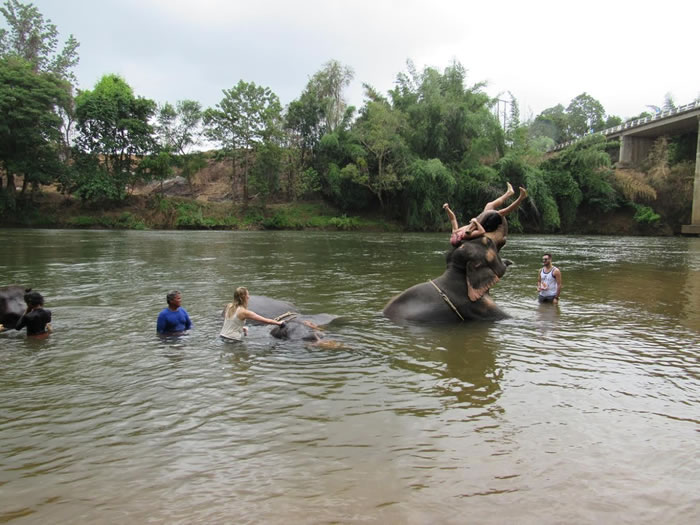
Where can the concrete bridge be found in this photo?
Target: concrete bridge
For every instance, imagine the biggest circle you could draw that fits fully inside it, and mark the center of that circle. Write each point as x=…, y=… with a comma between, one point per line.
x=637, y=137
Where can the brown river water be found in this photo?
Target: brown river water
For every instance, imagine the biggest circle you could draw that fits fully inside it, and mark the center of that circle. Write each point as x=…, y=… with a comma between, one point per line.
x=583, y=413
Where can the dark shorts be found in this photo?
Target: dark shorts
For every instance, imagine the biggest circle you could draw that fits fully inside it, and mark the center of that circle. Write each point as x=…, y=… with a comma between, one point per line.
x=544, y=299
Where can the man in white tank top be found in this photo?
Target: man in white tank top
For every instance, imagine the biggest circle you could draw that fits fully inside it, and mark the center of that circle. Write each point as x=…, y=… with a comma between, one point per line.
x=548, y=281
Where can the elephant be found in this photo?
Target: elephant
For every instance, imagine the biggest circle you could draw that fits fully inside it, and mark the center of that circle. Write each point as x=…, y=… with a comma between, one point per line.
x=302, y=327
x=12, y=304
x=269, y=307
x=461, y=293
x=297, y=326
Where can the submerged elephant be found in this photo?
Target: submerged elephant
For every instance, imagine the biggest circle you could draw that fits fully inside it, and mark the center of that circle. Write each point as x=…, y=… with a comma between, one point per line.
x=303, y=327
x=12, y=304
x=297, y=327
x=269, y=307
x=462, y=292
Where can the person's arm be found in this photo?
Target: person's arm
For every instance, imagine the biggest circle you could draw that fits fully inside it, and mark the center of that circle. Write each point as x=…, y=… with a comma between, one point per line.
x=249, y=314
x=557, y=276
x=160, y=325
x=451, y=215
x=478, y=230
x=22, y=320
x=539, y=281
x=49, y=328
x=188, y=322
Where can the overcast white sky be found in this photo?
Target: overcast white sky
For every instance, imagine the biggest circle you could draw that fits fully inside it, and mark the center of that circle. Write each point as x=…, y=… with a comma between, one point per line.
x=626, y=54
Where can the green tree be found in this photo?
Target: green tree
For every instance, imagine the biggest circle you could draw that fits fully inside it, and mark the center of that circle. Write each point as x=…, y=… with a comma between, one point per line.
x=303, y=125
x=30, y=37
x=35, y=40
x=379, y=131
x=445, y=119
x=552, y=123
x=158, y=166
x=246, y=117
x=585, y=114
x=328, y=85
x=29, y=125
x=178, y=127
x=588, y=165
x=114, y=125
x=265, y=180
x=428, y=185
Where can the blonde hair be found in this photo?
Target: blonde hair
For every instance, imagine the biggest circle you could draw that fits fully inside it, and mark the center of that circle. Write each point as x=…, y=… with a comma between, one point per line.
x=240, y=298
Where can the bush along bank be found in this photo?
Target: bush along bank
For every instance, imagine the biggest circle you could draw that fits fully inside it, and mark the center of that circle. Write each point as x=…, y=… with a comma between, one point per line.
x=182, y=213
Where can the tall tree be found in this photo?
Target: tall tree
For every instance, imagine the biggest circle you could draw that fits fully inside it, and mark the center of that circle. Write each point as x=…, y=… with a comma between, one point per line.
x=114, y=124
x=29, y=125
x=246, y=117
x=447, y=119
x=179, y=129
x=36, y=40
x=303, y=121
x=178, y=126
x=379, y=131
x=585, y=114
x=32, y=38
x=552, y=123
x=328, y=84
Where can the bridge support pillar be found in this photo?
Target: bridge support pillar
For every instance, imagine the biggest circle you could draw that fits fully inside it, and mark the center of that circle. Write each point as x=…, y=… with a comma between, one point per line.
x=634, y=150
x=694, y=227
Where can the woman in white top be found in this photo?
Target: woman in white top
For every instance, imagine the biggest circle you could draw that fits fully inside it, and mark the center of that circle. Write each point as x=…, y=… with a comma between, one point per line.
x=237, y=312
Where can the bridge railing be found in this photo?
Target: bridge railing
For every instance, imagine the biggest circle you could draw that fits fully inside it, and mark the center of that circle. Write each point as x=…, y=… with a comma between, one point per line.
x=633, y=123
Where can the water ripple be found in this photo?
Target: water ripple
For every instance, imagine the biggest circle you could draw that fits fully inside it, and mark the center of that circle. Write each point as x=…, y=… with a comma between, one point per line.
x=577, y=411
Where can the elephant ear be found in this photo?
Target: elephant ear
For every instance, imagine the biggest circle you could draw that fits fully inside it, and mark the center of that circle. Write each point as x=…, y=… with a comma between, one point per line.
x=484, y=269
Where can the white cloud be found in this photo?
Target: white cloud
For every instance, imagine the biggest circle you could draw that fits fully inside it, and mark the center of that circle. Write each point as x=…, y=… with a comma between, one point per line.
x=626, y=54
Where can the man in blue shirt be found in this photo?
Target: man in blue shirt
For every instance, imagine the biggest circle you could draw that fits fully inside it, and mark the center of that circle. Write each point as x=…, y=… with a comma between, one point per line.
x=173, y=320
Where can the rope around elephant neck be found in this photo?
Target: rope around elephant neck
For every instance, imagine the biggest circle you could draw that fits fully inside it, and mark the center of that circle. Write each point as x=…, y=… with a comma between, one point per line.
x=446, y=299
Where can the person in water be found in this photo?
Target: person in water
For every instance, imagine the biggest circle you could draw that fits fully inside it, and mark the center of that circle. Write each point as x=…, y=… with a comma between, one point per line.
x=36, y=318
x=474, y=229
x=174, y=319
x=548, y=281
x=236, y=313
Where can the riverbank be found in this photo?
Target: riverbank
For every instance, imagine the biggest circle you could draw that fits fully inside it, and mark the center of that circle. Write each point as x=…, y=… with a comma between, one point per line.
x=162, y=212
x=203, y=205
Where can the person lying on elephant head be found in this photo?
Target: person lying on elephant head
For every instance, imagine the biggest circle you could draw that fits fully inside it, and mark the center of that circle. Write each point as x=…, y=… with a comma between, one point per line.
x=475, y=229
x=461, y=292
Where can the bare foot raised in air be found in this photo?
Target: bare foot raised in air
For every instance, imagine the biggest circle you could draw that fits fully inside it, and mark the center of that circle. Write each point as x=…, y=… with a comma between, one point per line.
x=523, y=193
x=509, y=190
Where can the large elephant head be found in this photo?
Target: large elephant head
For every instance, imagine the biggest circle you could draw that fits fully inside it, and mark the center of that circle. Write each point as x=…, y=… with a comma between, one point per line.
x=461, y=293
x=479, y=257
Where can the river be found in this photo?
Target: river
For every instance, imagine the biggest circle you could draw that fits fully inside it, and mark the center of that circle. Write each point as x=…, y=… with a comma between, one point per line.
x=582, y=413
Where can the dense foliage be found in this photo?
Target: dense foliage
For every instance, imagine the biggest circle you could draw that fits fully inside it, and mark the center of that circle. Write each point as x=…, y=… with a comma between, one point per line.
x=433, y=138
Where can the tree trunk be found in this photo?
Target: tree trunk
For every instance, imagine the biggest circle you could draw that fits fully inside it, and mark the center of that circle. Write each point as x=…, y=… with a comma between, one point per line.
x=245, y=179
x=233, y=177
x=11, y=190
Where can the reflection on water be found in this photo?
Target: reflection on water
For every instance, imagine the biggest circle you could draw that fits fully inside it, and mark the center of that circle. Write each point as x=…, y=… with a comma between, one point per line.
x=547, y=318
x=582, y=412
